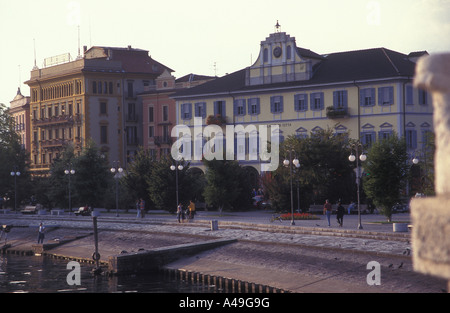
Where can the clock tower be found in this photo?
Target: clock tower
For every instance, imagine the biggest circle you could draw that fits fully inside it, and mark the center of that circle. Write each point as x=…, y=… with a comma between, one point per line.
x=280, y=61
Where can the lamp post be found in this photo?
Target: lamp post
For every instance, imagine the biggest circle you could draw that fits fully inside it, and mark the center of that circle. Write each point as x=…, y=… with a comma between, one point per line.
x=289, y=163
x=70, y=172
x=176, y=168
x=119, y=170
x=15, y=172
x=358, y=170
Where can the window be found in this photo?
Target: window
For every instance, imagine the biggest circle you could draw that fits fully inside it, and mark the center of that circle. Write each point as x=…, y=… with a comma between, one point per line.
x=423, y=97
x=301, y=102
x=385, y=95
x=411, y=139
x=150, y=115
x=340, y=99
x=103, y=108
x=151, y=131
x=253, y=106
x=276, y=104
x=368, y=138
x=384, y=134
x=94, y=87
x=186, y=111
x=265, y=55
x=130, y=89
x=99, y=87
x=219, y=108
x=165, y=113
x=409, y=95
x=111, y=88
x=200, y=109
x=239, y=107
x=103, y=134
x=317, y=101
x=367, y=97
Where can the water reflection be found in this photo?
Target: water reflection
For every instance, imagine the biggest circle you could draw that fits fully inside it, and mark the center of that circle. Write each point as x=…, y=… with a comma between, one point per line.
x=42, y=274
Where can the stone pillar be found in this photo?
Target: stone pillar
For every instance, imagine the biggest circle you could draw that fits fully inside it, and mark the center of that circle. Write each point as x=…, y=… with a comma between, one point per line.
x=431, y=216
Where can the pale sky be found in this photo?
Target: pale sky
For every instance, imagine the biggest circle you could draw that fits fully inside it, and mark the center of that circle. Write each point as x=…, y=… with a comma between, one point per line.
x=191, y=36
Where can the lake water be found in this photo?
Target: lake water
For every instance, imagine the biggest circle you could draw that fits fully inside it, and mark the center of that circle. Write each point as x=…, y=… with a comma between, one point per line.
x=36, y=274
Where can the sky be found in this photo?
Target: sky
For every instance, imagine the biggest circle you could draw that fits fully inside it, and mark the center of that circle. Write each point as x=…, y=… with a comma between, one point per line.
x=209, y=37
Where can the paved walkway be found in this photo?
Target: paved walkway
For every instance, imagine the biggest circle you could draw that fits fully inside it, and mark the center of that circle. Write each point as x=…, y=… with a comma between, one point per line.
x=250, y=226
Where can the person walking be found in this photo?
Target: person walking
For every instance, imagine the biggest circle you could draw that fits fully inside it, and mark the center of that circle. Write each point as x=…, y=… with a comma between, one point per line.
x=351, y=207
x=191, y=209
x=340, y=214
x=179, y=212
x=327, y=209
x=142, y=207
x=138, y=209
x=41, y=234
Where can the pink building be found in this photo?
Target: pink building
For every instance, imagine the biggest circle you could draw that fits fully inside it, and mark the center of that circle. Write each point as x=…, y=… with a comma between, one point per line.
x=159, y=115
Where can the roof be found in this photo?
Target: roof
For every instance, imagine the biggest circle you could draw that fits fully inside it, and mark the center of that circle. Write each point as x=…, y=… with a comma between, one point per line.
x=193, y=77
x=337, y=67
x=133, y=60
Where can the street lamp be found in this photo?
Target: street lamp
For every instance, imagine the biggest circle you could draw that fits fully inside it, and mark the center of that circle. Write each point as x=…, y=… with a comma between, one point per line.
x=117, y=175
x=289, y=163
x=15, y=172
x=70, y=172
x=358, y=170
x=176, y=168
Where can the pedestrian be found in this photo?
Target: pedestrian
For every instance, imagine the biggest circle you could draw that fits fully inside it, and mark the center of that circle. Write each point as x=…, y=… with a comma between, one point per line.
x=179, y=212
x=142, y=207
x=327, y=209
x=340, y=214
x=351, y=207
x=41, y=234
x=191, y=209
x=138, y=208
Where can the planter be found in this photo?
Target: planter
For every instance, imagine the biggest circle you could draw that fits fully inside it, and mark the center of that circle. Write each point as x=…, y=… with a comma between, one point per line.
x=400, y=227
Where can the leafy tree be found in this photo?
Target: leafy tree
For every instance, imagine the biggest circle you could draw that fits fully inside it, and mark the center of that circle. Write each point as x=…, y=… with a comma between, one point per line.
x=388, y=169
x=136, y=182
x=228, y=185
x=324, y=172
x=162, y=184
x=12, y=157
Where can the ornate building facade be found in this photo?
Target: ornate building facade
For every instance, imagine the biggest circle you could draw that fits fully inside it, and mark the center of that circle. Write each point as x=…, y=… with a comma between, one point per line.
x=368, y=93
x=91, y=98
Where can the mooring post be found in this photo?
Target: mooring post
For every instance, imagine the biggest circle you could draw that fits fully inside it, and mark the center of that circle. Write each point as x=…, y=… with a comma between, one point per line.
x=96, y=255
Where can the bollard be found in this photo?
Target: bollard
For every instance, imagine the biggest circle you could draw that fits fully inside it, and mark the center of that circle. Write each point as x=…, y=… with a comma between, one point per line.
x=214, y=225
x=96, y=255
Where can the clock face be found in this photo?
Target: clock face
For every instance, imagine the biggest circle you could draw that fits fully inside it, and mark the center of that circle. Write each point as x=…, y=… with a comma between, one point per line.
x=277, y=52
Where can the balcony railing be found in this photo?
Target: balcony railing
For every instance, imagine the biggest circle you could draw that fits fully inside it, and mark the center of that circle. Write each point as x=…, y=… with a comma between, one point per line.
x=159, y=140
x=55, y=120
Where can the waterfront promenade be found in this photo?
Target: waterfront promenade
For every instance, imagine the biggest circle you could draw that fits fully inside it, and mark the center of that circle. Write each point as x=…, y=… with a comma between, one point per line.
x=306, y=257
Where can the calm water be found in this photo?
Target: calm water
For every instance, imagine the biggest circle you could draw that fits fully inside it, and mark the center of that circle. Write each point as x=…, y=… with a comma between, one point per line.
x=42, y=274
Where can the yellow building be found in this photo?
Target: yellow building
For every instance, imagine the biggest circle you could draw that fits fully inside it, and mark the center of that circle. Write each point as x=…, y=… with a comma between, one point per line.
x=91, y=98
x=368, y=93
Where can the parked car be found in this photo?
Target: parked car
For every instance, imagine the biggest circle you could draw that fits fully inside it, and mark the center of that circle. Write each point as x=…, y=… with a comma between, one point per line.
x=84, y=211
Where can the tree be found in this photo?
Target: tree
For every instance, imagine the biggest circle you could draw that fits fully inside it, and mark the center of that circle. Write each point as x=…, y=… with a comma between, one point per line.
x=12, y=158
x=162, y=184
x=324, y=172
x=228, y=185
x=388, y=169
x=92, y=177
x=137, y=182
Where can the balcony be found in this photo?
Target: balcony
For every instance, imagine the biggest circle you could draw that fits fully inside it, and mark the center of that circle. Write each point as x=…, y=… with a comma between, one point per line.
x=339, y=112
x=216, y=120
x=54, y=143
x=160, y=140
x=57, y=120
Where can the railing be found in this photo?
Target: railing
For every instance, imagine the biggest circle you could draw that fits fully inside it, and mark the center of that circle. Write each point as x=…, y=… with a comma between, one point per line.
x=333, y=112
